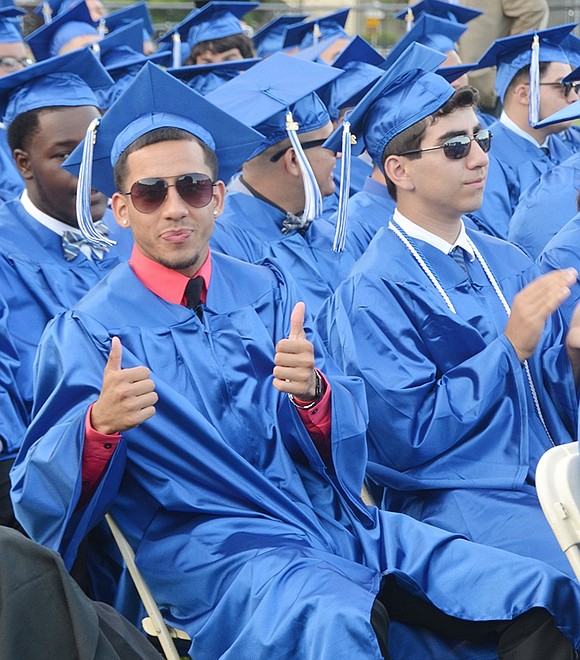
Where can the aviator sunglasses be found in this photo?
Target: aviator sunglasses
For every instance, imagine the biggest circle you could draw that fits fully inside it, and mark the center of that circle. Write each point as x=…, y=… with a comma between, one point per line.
x=459, y=146
x=149, y=194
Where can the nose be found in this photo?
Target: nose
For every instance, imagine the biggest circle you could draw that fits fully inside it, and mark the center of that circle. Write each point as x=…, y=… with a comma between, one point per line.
x=573, y=96
x=173, y=205
x=476, y=157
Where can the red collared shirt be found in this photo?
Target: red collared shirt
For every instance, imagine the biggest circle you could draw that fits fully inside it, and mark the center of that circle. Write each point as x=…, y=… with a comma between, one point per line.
x=170, y=285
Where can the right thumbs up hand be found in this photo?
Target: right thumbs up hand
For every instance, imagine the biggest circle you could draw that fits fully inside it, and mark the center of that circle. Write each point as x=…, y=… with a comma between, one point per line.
x=127, y=396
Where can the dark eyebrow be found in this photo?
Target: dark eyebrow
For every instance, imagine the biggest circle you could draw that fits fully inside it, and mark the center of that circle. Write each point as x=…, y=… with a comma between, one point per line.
x=452, y=134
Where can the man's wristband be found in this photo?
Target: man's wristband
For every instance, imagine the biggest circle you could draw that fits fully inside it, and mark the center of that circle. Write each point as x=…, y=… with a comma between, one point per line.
x=317, y=393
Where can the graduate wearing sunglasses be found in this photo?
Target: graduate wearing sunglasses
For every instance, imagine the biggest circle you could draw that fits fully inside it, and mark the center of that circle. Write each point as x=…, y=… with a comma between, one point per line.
x=469, y=373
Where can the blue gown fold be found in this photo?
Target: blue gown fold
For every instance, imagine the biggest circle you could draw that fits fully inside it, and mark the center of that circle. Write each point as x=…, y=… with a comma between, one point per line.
x=247, y=539
x=453, y=431
x=36, y=283
x=251, y=230
x=514, y=164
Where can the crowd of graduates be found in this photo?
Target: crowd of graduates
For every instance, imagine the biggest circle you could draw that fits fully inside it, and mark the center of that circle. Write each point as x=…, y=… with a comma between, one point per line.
x=246, y=279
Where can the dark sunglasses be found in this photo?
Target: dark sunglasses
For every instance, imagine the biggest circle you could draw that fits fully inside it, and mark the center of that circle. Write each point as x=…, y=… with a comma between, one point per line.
x=305, y=145
x=149, y=194
x=458, y=147
x=10, y=62
x=567, y=87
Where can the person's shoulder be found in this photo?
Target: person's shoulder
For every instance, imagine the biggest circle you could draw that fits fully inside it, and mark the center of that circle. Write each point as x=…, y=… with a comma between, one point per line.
x=499, y=250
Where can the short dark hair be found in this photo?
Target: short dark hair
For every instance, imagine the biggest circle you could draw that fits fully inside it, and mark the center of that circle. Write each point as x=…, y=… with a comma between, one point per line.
x=411, y=138
x=240, y=41
x=164, y=134
x=25, y=126
x=523, y=75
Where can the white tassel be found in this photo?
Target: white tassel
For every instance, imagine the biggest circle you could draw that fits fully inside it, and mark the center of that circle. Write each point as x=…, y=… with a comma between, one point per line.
x=410, y=19
x=102, y=28
x=343, y=195
x=312, y=195
x=83, y=201
x=316, y=34
x=46, y=13
x=96, y=50
x=534, y=105
x=176, y=53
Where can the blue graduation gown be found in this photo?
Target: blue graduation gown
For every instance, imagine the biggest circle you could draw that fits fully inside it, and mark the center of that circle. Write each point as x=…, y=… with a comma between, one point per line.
x=246, y=538
x=453, y=434
x=514, y=164
x=359, y=171
x=250, y=229
x=368, y=211
x=36, y=283
x=563, y=251
x=546, y=206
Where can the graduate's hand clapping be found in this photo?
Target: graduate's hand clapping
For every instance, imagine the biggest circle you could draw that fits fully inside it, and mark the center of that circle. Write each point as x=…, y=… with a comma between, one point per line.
x=532, y=307
x=127, y=396
x=294, y=360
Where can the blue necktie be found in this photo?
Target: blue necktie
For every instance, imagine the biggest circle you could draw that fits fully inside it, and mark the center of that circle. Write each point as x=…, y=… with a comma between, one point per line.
x=73, y=240
x=457, y=255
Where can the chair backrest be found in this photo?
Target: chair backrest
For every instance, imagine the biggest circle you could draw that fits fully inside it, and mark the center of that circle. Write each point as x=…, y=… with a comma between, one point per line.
x=558, y=487
x=154, y=624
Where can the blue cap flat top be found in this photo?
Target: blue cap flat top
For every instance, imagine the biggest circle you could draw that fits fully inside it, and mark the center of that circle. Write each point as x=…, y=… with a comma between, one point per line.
x=156, y=99
x=331, y=25
x=269, y=38
x=67, y=80
x=448, y=10
x=510, y=54
x=47, y=40
x=121, y=17
x=407, y=93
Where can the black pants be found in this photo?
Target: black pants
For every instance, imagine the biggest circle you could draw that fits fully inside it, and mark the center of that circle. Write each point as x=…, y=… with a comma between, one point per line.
x=7, y=518
x=530, y=636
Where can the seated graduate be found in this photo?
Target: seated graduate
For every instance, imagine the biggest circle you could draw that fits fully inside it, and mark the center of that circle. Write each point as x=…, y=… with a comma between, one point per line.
x=274, y=208
x=68, y=31
x=210, y=35
x=530, y=70
x=552, y=200
x=207, y=417
x=45, y=614
x=469, y=372
x=45, y=263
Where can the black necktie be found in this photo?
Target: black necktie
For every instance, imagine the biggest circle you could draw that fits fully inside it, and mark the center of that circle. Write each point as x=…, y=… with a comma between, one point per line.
x=457, y=255
x=192, y=294
x=546, y=151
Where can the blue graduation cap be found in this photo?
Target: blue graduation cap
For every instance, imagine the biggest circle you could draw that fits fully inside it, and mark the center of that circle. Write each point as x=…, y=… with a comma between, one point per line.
x=510, y=54
x=68, y=80
x=155, y=99
x=447, y=10
x=431, y=31
x=48, y=39
x=215, y=20
x=358, y=50
x=10, y=31
x=124, y=16
x=50, y=8
x=307, y=33
x=313, y=53
x=451, y=73
x=568, y=113
x=277, y=98
x=206, y=77
x=270, y=37
x=361, y=64
x=407, y=93
x=571, y=44
x=123, y=47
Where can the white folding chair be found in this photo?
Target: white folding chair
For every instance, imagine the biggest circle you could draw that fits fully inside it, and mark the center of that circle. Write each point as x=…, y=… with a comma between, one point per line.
x=154, y=623
x=558, y=487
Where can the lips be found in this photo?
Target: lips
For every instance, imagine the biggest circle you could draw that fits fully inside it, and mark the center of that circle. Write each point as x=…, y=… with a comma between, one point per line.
x=176, y=235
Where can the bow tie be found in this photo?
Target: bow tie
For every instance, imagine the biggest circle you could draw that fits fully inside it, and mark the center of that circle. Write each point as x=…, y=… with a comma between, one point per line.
x=72, y=242
x=295, y=223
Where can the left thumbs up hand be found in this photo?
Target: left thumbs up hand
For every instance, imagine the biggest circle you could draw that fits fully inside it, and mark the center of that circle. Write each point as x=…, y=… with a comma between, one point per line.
x=294, y=360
